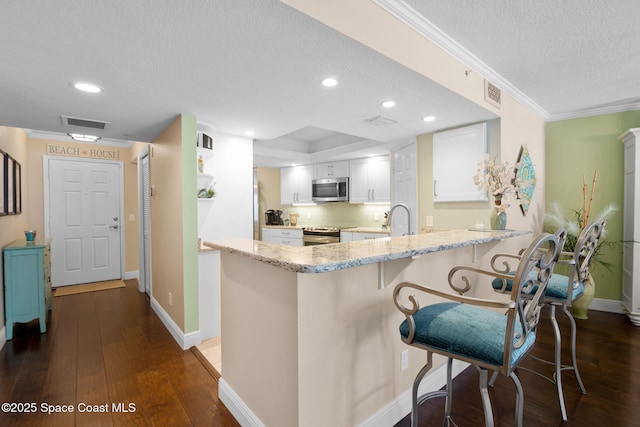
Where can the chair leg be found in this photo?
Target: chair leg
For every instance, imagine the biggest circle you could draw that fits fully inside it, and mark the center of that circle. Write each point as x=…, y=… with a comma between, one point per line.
x=519, y=399
x=486, y=401
x=447, y=402
x=416, y=400
x=573, y=348
x=558, y=362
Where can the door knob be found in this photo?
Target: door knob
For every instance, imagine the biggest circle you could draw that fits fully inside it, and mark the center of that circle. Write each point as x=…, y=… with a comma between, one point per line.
x=113, y=227
x=115, y=218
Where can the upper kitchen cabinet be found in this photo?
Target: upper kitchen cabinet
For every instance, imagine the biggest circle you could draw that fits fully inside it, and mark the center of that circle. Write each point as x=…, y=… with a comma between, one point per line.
x=331, y=170
x=295, y=184
x=456, y=154
x=370, y=180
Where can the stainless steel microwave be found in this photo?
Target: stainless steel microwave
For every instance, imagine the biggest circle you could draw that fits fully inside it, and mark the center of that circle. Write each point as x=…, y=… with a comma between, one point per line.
x=330, y=190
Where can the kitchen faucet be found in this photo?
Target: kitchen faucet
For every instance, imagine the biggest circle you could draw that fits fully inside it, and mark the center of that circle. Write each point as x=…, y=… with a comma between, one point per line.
x=401, y=205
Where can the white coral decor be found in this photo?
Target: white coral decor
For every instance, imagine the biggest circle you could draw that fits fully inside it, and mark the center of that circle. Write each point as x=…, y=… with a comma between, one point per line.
x=499, y=179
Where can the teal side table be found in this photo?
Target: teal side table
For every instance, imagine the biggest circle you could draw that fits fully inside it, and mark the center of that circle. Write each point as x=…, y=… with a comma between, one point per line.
x=27, y=283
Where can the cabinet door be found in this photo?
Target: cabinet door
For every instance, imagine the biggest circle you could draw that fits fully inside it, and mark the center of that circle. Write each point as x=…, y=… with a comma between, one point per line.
x=295, y=184
x=331, y=170
x=288, y=186
x=455, y=161
x=359, y=190
x=346, y=236
x=380, y=180
x=305, y=178
x=370, y=180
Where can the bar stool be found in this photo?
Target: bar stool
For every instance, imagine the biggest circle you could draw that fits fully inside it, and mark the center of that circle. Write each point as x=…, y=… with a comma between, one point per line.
x=468, y=329
x=561, y=292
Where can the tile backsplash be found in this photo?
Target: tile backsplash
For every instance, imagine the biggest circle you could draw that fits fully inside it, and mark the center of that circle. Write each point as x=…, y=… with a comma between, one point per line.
x=339, y=214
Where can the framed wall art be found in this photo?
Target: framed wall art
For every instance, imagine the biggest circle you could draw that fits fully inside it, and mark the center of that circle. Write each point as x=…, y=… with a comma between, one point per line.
x=17, y=180
x=10, y=185
x=3, y=183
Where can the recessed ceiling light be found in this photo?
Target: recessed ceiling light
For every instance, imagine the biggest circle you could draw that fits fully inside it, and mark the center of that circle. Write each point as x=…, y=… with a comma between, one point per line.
x=329, y=82
x=389, y=104
x=83, y=138
x=87, y=87
x=429, y=118
x=249, y=133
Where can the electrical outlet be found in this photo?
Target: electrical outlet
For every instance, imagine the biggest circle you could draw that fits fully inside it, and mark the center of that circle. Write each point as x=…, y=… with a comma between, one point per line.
x=132, y=217
x=404, y=360
x=429, y=221
x=170, y=299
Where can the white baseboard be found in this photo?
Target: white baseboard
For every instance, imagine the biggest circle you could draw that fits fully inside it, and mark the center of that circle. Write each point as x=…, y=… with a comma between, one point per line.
x=185, y=341
x=3, y=337
x=389, y=415
x=399, y=407
x=608, y=305
x=128, y=275
x=236, y=406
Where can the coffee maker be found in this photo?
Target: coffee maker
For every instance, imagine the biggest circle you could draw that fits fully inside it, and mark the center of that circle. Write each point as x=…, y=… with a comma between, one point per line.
x=273, y=217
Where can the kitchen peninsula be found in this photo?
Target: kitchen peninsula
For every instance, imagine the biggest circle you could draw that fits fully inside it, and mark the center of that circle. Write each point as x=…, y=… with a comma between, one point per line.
x=310, y=334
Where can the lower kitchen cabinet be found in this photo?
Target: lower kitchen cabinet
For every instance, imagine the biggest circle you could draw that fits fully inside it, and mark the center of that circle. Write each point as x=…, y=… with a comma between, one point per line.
x=283, y=236
x=27, y=283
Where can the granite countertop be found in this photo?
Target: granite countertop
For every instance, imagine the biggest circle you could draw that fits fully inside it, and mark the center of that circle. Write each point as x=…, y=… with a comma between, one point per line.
x=337, y=256
x=292, y=227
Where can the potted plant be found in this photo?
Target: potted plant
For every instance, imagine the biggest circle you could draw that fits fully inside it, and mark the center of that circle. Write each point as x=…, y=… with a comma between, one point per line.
x=574, y=224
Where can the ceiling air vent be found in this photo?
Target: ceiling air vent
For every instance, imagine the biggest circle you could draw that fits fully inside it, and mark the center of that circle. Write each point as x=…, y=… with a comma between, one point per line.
x=380, y=121
x=492, y=94
x=84, y=123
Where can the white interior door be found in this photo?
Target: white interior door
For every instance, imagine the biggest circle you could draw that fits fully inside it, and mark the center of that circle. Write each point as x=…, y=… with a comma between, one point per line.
x=404, y=189
x=84, y=221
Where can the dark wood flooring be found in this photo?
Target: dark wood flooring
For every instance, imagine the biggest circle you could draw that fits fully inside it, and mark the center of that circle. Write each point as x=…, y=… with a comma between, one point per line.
x=103, y=349
x=109, y=348
x=609, y=363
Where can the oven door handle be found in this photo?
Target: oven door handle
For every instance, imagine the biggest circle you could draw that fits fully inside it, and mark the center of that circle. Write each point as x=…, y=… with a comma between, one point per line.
x=320, y=239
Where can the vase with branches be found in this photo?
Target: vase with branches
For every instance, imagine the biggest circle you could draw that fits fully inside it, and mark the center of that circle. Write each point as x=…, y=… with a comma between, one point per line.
x=574, y=224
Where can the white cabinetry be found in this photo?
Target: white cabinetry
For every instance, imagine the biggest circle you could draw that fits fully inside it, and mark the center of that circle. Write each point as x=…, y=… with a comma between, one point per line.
x=370, y=180
x=631, y=226
x=283, y=236
x=331, y=170
x=456, y=154
x=295, y=184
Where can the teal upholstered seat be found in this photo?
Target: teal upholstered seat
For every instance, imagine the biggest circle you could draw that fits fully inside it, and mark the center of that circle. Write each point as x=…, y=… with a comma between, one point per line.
x=556, y=289
x=466, y=330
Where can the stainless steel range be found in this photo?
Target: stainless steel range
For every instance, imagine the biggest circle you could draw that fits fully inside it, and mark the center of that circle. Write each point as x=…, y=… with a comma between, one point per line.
x=320, y=235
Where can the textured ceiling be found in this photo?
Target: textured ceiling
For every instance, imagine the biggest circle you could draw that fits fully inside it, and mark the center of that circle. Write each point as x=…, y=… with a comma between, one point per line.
x=568, y=56
x=240, y=65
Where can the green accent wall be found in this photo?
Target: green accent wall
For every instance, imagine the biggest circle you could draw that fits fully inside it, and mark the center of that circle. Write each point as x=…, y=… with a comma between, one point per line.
x=190, y=223
x=576, y=148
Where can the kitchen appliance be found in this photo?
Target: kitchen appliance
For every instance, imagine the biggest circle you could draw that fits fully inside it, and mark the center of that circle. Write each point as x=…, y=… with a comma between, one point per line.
x=330, y=190
x=273, y=217
x=320, y=235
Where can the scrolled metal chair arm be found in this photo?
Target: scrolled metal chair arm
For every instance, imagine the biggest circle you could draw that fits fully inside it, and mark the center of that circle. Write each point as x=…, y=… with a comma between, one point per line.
x=467, y=283
x=506, y=267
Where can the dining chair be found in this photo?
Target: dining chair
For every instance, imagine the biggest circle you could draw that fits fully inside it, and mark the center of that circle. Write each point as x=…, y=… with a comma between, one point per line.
x=561, y=292
x=489, y=334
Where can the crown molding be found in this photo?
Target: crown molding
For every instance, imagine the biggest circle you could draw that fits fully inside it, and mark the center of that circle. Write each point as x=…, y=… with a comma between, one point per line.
x=419, y=23
x=594, y=112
